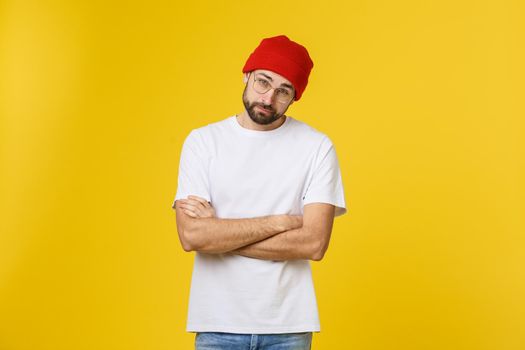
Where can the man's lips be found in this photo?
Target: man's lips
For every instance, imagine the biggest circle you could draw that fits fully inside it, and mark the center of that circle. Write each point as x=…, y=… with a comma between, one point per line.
x=264, y=110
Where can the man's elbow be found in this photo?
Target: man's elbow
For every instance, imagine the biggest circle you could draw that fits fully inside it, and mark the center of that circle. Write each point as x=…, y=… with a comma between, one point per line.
x=187, y=246
x=319, y=249
x=318, y=255
x=188, y=236
x=185, y=240
x=188, y=231
x=192, y=238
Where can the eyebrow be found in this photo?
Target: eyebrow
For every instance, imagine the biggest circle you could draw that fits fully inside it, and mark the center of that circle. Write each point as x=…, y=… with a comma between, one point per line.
x=283, y=84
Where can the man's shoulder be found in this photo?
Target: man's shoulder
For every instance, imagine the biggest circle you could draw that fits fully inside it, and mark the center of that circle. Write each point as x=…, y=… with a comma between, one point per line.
x=206, y=131
x=211, y=127
x=304, y=130
x=205, y=137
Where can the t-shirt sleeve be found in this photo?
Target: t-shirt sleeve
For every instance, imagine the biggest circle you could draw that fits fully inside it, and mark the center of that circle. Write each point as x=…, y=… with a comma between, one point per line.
x=326, y=185
x=193, y=169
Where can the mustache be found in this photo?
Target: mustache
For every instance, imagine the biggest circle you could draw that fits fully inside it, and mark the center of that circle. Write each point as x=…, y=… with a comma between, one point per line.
x=266, y=107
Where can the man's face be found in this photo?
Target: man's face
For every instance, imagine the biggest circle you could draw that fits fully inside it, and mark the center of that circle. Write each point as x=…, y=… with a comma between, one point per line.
x=265, y=108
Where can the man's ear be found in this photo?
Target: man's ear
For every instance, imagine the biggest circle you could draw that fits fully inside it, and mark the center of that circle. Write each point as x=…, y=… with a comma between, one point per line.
x=245, y=77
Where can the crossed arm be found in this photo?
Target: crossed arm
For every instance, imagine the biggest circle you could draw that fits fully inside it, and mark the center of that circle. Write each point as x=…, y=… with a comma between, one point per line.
x=274, y=237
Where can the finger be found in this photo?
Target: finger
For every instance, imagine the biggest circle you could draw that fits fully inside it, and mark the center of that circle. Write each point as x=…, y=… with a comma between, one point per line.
x=195, y=210
x=190, y=206
x=190, y=203
x=201, y=200
x=189, y=213
x=184, y=202
x=196, y=203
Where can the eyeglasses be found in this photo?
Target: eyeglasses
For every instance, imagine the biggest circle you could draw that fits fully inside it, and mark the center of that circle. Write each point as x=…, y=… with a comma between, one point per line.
x=261, y=85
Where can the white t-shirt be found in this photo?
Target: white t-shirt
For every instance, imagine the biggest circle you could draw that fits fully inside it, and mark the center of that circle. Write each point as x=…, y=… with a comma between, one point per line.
x=246, y=173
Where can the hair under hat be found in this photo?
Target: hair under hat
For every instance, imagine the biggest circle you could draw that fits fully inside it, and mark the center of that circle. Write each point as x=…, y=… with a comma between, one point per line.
x=285, y=57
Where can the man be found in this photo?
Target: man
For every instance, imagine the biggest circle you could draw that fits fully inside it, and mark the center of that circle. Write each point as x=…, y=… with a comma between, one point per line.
x=256, y=199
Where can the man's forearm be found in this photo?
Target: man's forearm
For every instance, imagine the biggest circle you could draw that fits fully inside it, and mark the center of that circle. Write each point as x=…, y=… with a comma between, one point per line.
x=280, y=237
x=298, y=243
x=213, y=235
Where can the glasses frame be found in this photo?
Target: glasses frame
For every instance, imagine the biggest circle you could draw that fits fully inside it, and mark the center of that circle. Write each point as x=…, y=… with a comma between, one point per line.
x=255, y=79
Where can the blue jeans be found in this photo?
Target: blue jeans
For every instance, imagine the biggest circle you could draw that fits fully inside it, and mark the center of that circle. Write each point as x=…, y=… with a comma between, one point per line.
x=231, y=341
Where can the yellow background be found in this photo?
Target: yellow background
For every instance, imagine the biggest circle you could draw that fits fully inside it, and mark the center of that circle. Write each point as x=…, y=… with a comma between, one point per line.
x=423, y=100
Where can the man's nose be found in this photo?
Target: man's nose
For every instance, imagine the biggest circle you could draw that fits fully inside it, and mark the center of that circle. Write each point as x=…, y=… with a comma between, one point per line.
x=268, y=96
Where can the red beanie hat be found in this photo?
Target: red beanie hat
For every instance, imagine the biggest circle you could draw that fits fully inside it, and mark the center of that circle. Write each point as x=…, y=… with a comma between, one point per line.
x=284, y=57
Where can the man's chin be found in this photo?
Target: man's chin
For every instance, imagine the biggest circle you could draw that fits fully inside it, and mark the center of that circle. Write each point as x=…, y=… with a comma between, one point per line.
x=263, y=119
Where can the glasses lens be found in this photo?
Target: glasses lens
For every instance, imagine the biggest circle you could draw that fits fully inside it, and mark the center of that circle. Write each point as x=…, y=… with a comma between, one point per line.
x=261, y=85
x=283, y=96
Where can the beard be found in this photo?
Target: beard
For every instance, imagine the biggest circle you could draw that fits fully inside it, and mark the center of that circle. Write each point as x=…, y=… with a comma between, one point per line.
x=260, y=117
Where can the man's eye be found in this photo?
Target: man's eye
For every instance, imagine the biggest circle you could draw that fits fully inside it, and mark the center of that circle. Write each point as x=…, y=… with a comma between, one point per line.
x=283, y=92
x=263, y=82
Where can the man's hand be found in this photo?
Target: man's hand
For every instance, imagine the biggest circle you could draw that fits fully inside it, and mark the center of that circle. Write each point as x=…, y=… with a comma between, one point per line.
x=197, y=207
